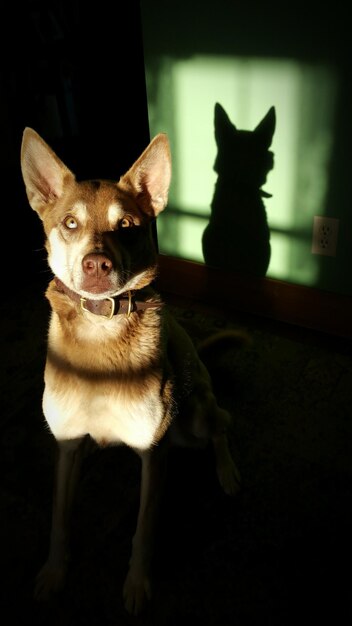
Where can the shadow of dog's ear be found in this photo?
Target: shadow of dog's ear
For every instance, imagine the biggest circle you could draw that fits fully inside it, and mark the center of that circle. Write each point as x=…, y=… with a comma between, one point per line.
x=149, y=177
x=222, y=123
x=45, y=175
x=266, y=127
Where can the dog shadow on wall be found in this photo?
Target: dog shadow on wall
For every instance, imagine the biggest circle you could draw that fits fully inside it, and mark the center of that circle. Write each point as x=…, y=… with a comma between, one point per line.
x=237, y=237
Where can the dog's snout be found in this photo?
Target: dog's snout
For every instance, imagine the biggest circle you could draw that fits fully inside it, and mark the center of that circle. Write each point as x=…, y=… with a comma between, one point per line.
x=96, y=264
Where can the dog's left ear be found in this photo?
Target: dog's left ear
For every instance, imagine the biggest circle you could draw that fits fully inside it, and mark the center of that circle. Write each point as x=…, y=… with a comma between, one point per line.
x=149, y=177
x=45, y=175
x=266, y=127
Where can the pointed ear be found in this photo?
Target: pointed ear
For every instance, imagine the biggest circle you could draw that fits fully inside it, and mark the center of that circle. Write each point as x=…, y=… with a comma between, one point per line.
x=266, y=127
x=43, y=173
x=149, y=177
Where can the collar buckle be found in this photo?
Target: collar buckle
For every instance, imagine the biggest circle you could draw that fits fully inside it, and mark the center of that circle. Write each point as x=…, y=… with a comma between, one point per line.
x=83, y=308
x=129, y=310
x=108, y=315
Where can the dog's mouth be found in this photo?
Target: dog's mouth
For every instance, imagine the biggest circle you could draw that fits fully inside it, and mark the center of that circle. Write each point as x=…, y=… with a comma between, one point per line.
x=101, y=287
x=99, y=276
x=104, y=288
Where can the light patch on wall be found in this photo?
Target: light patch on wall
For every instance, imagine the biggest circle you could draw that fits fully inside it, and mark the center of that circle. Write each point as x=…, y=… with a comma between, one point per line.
x=183, y=106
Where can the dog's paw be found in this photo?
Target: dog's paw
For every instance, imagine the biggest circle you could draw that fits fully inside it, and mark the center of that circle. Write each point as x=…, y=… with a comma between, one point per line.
x=229, y=477
x=49, y=581
x=136, y=592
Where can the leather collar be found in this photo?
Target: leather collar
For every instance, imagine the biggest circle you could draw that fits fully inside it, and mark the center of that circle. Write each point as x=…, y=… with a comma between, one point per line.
x=124, y=304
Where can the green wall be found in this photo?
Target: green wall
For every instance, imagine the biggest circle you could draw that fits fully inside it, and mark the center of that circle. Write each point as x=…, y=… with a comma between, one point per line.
x=248, y=60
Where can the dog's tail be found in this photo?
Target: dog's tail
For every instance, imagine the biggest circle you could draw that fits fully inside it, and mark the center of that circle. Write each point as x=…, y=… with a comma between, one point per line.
x=222, y=340
x=219, y=354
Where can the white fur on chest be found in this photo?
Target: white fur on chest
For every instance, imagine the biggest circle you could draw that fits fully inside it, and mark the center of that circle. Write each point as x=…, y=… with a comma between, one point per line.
x=107, y=417
x=111, y=408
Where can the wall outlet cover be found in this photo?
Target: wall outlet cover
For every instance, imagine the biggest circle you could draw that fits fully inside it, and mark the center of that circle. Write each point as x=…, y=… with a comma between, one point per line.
x=325, y=231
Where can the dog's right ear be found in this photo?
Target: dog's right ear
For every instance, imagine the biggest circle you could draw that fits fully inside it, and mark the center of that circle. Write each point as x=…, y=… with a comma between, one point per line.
x=43, y=173
x=149, y=177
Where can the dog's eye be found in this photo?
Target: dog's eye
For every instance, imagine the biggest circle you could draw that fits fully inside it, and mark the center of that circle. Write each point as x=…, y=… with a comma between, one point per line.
x=70, y=222
x=126, y=222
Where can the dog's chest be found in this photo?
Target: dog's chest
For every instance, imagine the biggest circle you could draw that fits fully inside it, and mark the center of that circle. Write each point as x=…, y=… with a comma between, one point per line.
x=109, y=415
x=113, y=399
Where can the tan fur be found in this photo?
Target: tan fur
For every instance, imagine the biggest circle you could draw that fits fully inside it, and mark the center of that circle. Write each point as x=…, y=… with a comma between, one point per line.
x=134, y=379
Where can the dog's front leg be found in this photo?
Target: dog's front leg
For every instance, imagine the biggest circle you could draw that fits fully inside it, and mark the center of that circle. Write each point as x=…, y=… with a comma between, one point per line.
x=52, y=575
x=137, y=587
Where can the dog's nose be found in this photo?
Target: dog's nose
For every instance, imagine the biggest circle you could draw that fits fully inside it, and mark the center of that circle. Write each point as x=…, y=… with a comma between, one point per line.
x=96, y=264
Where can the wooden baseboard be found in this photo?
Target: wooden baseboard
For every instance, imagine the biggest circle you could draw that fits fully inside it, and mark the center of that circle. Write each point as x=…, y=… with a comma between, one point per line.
x=285, y=302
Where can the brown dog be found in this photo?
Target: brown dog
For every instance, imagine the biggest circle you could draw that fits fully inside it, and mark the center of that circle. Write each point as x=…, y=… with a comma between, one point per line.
x=119, y=368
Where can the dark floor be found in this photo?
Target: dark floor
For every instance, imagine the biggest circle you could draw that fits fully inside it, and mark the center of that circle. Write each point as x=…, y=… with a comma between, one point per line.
x=278, y=554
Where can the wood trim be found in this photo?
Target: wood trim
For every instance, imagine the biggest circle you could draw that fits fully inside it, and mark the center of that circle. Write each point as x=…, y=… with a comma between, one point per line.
x=294, y=304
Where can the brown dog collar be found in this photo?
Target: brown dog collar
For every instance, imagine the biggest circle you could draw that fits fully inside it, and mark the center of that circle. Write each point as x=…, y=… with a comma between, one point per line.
x=125, y=304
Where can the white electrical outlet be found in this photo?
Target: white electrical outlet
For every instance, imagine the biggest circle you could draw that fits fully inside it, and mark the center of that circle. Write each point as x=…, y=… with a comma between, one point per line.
x=325, y=231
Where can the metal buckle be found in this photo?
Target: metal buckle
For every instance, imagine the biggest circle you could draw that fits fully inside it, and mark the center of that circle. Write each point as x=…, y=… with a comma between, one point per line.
x=82, y=301
x=129, y=310
x=109, y=315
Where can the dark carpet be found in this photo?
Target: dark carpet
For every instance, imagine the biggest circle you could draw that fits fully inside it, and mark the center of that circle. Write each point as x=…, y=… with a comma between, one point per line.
x=278, y=553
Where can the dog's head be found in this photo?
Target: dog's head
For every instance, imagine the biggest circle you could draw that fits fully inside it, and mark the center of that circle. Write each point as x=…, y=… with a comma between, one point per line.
x=98, y=233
